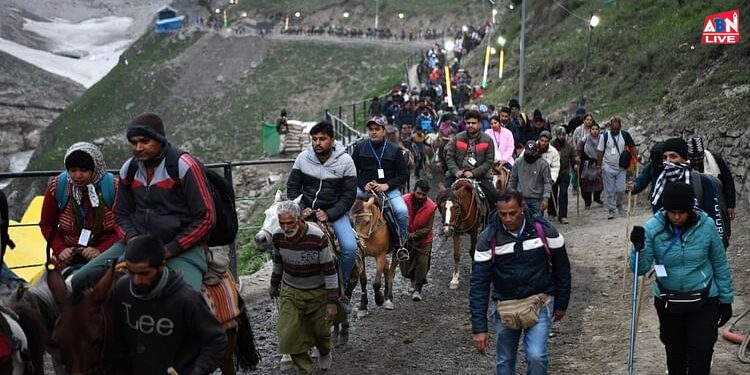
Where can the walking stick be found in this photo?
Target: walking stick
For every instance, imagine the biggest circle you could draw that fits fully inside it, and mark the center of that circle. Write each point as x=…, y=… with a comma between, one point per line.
x=633, y=316
x=578, y=193
x=634, y=200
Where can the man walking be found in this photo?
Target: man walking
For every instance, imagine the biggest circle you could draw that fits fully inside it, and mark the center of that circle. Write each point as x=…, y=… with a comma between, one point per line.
x=611, y=145
x=521, y=264
x=303, y=263
x=568, y=162
x=421, y=217
x=531, y=178
x=159, y=321
x=325, y=176
x=151, y=201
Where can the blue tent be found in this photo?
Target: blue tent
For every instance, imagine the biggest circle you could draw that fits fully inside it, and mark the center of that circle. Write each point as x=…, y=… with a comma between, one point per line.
x=168, y=21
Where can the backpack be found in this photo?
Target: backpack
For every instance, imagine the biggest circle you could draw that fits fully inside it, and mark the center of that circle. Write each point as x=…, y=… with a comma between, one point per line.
x=106, y=184
x=425, y=124
x=628, y=156
x=225, y=229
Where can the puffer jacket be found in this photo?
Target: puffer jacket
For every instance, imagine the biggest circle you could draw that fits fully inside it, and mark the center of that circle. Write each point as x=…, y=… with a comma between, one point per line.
x=457, y=158
x=519, y=267
x=694, y=259
x=329, y=186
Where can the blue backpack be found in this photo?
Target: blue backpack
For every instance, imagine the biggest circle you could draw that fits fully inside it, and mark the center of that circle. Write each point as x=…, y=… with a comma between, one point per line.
x=106, y=184
x=425, y=123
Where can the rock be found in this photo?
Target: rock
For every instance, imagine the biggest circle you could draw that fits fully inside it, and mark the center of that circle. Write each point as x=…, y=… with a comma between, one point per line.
x=130, y=105
x=4, y=163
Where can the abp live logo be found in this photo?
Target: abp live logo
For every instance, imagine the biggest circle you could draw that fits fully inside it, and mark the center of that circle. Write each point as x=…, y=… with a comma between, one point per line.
x=722, y=28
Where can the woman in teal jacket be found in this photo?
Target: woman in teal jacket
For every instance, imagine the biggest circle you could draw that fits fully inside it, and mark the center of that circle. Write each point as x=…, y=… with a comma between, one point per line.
x=688, y=255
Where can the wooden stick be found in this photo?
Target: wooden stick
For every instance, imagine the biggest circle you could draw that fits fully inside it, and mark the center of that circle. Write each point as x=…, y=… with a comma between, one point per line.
x=638, y=302
x=634, y=200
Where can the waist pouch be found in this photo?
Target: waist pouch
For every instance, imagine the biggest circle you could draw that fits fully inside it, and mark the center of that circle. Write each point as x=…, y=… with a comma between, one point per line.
x=521, y=313
x=683, y=302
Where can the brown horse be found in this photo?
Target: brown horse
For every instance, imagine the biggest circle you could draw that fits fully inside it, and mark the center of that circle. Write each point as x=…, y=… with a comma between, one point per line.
x=462, y=213
x=84, y=327
x=372, y=231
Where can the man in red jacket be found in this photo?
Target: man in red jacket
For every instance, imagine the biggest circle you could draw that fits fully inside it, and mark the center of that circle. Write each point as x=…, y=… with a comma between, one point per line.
x=421, y=216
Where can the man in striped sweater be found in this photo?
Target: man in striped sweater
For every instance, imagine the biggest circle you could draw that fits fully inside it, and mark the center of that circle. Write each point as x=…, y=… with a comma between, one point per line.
x=303, y=262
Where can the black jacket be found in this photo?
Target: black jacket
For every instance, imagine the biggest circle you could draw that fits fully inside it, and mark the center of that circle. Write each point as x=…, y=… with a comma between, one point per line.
x=392, y=162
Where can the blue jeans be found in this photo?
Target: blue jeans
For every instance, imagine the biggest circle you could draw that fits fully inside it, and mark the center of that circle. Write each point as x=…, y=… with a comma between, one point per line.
x=399, y=209
x=533, y=204
x=614, y=187
x=342, y=227
x=534, y=344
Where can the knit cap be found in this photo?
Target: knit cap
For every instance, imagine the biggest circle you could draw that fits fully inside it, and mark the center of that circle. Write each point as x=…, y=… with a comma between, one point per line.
x=677, y=145
x=147, y=125
x=678, y=196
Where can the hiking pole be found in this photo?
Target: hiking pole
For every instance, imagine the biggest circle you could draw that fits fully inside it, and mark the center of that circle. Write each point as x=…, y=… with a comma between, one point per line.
x=633, y=317
x=578, y=194
x=631, y=208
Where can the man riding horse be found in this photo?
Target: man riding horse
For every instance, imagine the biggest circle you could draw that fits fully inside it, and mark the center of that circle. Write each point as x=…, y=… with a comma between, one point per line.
x=470, y=154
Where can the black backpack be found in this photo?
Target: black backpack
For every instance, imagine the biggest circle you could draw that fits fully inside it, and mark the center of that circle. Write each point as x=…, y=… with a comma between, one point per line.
x=225, y=229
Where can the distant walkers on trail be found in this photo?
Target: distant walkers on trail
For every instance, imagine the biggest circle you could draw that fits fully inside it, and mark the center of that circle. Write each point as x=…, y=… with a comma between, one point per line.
x=148, y=202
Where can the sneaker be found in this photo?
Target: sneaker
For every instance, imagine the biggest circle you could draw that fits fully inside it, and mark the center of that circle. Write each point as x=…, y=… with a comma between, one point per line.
x=412, y=286
x=599, y=202
x=587, y=208
x=416, y=297
x=346, y=305
x=325, y=361
x=611, y=215
x=564, y=220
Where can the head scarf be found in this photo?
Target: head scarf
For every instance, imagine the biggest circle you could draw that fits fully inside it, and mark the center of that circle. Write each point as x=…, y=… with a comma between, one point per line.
x=100, y=168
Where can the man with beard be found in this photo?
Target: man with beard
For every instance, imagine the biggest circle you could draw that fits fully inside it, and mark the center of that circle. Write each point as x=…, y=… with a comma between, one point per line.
x=568, y=163
x=419, y=244
x=303, y=263
x=706, y=188
x=470, y=154
x=160, y=321
x=611, y=145
x=505, y=122
x=326, y=177
x=531, y=178
x=381, y=168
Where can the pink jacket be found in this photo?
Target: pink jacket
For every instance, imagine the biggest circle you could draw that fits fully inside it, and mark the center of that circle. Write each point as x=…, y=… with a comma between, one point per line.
x=504, y=144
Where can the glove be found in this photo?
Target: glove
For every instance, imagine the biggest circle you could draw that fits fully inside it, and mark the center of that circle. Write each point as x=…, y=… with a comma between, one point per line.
x=638, y=237
x=725, y=313
x=273, y=291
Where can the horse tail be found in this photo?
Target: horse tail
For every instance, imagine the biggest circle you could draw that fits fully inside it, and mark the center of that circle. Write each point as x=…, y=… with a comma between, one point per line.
x=247, y=352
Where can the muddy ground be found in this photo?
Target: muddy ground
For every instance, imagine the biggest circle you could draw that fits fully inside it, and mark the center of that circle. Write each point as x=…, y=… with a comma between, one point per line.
x=434, y=336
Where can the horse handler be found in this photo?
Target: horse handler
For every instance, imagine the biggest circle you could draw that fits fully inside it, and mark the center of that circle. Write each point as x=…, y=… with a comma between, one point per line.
x=521, y=264
x=303, y=262
x=421, y=217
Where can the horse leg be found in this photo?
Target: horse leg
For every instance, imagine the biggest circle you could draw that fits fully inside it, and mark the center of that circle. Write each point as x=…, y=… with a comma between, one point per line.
x=362, y=312
x=227, y=362
x=380, y=263
x=389, y=283
x=456, y=260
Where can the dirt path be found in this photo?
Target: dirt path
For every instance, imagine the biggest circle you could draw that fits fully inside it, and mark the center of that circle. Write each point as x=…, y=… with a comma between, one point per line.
x=433, y=336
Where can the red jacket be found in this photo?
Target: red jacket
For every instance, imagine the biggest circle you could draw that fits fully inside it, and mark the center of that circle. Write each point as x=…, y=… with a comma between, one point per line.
x=421, y=221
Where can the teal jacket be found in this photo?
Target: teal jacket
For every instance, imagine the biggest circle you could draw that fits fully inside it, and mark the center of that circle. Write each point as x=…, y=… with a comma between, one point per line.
x=692, y=261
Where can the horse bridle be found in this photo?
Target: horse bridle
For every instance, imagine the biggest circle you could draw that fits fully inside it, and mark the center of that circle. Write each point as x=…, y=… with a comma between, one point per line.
x=454, y=201
x=373, y=225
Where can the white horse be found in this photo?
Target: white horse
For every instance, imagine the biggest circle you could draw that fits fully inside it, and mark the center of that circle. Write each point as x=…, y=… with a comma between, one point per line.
x=263, y=239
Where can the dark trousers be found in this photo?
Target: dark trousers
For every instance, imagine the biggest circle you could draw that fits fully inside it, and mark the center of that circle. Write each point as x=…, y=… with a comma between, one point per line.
x=488, y=188
x=559, y=194
x=689, y=338
x=587, y=197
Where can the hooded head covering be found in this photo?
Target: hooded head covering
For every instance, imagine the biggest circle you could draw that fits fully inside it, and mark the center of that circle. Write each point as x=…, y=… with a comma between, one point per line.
x=79, y=155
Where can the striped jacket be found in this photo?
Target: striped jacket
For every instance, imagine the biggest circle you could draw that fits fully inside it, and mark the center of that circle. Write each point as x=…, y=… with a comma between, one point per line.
x=458, y=151
x=519, y=267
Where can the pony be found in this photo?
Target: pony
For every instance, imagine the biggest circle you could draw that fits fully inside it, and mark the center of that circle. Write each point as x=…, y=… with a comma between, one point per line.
x=84, y=327
x=462, y=210
x=375, y=239
x=500, y=175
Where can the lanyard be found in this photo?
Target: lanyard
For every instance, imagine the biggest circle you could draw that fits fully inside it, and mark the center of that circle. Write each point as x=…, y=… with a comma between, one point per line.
x=378, y=158
x=675, y=237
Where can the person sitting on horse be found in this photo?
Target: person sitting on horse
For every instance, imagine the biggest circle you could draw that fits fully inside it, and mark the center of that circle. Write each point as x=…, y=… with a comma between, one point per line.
x=502, y=138
x=77, y=217
x=325, y=175
x=303, y=263
x=470, y=154
x=181, y=213
x=381, y=168
x=160, y=321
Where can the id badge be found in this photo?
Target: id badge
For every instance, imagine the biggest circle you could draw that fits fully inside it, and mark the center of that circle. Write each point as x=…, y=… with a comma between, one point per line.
x=661, y=271
x=613, y=151
x=83, y=239
x=381, y=173
x=471, y=161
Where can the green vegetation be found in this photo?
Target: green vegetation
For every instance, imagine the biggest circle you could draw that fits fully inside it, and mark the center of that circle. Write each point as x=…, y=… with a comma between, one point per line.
x=385, y=9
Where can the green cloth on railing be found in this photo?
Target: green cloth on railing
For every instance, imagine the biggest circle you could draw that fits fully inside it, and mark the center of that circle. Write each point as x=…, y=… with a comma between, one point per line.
x=271, y=139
